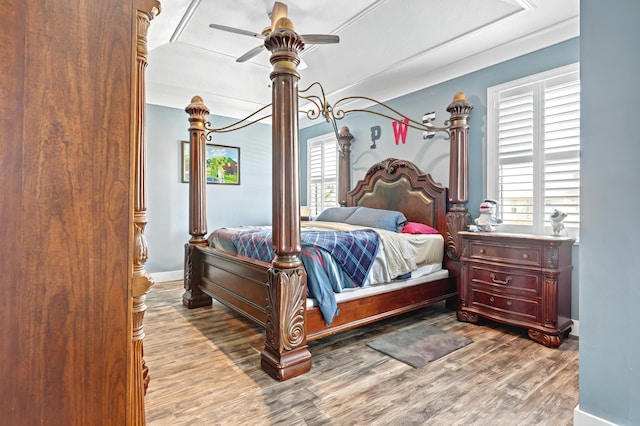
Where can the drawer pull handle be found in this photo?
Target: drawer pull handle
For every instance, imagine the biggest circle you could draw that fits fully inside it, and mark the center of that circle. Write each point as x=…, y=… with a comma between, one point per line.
x=525, y=256
x=481, y=251
x=497, y=281
x=509, y=302
x=492, y=299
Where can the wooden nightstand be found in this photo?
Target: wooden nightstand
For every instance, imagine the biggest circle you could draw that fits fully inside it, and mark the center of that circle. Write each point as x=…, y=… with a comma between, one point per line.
x=521, y=280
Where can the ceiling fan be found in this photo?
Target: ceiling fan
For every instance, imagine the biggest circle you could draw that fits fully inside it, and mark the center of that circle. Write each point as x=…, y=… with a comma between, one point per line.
x=279, y=11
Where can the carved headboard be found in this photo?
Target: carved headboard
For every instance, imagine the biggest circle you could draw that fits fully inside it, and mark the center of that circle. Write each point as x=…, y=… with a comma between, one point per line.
x=399, y=185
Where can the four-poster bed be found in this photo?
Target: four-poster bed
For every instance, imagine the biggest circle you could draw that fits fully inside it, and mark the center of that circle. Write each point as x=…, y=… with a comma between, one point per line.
x=274, y=294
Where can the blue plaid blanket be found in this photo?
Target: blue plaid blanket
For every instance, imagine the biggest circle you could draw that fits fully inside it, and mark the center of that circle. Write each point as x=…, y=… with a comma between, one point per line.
x=354, y=251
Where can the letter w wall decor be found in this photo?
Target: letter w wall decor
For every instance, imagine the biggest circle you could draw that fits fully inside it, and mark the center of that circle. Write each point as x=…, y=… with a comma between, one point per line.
x=400, y=130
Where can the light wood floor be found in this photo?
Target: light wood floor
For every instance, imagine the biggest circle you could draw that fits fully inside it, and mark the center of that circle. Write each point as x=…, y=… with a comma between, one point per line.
x=205, y=370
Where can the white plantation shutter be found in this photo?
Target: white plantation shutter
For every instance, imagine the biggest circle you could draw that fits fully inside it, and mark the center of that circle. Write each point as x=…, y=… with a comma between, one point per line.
x=533, y=150
x=515, y=157
x=323, y=173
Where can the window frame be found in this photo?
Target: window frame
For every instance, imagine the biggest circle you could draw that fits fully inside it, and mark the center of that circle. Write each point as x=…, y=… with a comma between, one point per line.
x=326, y=139
x=540, y=222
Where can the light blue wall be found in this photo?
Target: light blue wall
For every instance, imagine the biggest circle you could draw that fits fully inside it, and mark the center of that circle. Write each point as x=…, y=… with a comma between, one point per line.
x=433, y=155
x=168, y=198
x=610, y=291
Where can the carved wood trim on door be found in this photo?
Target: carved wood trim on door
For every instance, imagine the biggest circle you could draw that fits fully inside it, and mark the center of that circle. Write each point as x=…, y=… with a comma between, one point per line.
x=142, y=282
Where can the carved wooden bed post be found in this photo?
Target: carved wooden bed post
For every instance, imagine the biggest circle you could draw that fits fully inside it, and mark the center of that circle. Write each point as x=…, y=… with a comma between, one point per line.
x=141, y=280
x=344, y=184
x=285, y=354
x=193, y=297
x=458, y=216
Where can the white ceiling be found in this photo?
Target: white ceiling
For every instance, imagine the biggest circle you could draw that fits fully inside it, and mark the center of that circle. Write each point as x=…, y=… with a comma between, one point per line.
x=387, y=48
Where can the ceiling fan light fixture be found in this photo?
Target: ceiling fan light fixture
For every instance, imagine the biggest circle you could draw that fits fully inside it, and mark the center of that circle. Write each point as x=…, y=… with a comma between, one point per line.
x=279, y=20
x=284, y=23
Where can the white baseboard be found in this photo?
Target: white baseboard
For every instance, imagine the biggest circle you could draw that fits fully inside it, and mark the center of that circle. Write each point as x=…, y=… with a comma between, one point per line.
x=167, y=276
x=575, y=328
x=580, y=418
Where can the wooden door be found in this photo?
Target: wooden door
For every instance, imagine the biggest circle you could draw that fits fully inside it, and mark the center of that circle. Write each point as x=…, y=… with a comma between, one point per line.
x=67, y=176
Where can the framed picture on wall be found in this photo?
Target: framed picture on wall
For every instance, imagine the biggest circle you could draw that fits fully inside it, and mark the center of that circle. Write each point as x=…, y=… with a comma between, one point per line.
x=222, y=164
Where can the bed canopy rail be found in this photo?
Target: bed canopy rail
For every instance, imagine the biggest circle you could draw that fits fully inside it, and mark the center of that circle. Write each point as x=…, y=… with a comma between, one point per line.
x=286, y=354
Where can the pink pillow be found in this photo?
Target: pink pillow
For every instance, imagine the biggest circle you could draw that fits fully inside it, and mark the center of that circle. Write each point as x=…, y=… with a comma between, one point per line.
x=418, y=228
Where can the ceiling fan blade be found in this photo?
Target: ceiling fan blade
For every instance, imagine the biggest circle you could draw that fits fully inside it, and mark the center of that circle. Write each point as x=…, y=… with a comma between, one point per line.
x=250, y=54
x=235, y=30
x=280, y=10
x=320, y=38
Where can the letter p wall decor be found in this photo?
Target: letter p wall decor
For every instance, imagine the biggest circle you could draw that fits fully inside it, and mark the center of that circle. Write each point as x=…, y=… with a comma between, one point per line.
x=376, y=131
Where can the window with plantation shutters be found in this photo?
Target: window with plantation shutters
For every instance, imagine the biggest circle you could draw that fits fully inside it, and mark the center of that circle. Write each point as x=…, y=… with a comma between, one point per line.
x=533, y=150
x=322, y=172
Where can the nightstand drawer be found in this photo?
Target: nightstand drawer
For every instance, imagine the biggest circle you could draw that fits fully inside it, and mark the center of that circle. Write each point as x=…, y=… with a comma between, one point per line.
x=505, y=280
x=507, y=253
x=506, y=307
